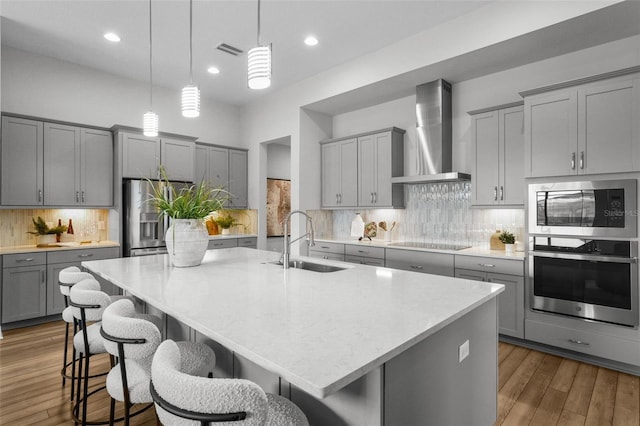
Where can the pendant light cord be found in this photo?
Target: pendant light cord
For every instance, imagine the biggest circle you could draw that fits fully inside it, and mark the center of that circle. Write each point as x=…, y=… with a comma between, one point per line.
x=191, y=42
x=150, y=61
x=258, y=23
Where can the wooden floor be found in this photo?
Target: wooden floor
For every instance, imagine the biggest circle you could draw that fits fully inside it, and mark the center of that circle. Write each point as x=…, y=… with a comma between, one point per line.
x=534, y=388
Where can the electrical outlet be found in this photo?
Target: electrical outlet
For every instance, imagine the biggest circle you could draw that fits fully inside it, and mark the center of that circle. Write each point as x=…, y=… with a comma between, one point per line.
x=463, y=351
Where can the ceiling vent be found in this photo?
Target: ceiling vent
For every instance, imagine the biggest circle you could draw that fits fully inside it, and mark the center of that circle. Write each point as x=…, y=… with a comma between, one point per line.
x=229, y=49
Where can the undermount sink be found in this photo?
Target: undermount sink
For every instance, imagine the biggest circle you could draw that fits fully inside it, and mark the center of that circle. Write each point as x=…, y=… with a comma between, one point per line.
x=310, y=266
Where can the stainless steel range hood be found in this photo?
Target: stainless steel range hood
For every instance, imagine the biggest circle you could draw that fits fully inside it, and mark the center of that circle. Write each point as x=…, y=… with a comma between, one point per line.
x=433, y=130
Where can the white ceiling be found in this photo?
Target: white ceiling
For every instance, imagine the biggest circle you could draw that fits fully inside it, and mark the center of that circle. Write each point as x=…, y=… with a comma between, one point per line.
x=72, y=30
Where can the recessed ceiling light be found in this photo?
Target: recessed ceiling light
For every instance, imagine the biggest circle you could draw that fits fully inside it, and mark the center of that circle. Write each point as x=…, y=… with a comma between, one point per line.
x=213, y=70
x=310, y=41
x=112, y=37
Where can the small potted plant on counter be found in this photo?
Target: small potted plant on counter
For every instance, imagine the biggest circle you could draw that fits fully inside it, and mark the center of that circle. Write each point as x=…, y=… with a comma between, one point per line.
x=187, y=237
x=225, y=222
x=508, y=239
x=46, y=236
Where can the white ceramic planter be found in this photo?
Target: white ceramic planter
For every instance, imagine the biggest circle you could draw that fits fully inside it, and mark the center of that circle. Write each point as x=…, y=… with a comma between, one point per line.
x=187, y=241
x=509, y=248
x=226, y=231
x=45, y=240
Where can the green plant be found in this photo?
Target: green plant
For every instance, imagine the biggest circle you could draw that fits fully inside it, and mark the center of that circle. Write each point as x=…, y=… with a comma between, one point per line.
x=226, y=221
x=40, y=228
x=507, y=237
x=191, y=202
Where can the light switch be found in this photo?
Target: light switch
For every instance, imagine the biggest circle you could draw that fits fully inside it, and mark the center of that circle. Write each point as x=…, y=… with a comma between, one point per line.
x=463, y=351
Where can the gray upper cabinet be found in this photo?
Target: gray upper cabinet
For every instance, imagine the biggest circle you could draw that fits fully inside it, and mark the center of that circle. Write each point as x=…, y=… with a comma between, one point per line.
x=55, y=164
x=340, y=173
x=78, y=166
x=226, y=168
x=142, y=157
x=357, y=171
x=22, y=162
x=583, y=129
x=498, y=157
x=380, y=157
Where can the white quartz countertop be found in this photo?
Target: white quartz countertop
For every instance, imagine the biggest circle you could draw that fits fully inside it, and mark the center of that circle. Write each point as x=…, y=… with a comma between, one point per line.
x=231, y=236
x=57, y=247
x=471, y=251
x=319, y=331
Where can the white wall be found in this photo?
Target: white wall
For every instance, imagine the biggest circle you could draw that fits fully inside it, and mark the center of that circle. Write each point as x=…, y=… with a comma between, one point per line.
x=278, y=161
x=44, y=87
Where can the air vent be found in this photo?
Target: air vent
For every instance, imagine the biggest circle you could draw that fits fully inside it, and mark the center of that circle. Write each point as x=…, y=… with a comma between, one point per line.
x=229, y=49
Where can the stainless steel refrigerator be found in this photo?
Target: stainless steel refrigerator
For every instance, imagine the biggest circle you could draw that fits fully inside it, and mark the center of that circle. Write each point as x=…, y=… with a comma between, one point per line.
x=143, y=227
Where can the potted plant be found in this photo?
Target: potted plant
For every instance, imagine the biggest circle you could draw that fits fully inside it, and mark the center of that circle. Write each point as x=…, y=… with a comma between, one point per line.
x=44, y=235
x=225, y=222
x=508, y=239
x=187, y=237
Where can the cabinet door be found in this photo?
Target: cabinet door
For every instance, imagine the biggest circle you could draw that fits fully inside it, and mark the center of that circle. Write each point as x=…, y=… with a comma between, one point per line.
x=330, y=174
x=468, y=274
x=96, y=168
x=512, y=186
x=382, y=193
x=349, y=173
x=61, y=165
x=552, y=134
x=610, y=118
x=510, y=304
x=24, y=293
x=367, y=159
x=22, y=159
x=55, y=299
x=485, y=142
x=140, y=157
x=238, y=178
x=178, y=159
x=202, y=164
x=219, y=167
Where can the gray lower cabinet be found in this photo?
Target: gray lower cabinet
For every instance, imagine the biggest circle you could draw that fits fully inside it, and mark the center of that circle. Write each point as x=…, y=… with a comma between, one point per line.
x=364, y=255
x=327, y=250
x=420, y=261
x=509, y=273
x=248, y=242
x=24, y=286
x=220, y=243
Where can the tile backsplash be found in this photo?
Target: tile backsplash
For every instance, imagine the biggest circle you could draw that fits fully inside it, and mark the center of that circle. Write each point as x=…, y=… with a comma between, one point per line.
x=434, y=213
x=88, y=224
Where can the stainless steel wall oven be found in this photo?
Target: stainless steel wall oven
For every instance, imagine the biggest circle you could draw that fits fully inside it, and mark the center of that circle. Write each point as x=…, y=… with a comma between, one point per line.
x=583, y=250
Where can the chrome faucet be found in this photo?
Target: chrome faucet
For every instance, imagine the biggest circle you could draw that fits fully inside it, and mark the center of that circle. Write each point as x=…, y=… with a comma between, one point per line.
x=286, y=251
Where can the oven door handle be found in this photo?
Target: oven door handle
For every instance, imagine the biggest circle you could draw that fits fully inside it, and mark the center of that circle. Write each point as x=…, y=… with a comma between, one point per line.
x=587, y=257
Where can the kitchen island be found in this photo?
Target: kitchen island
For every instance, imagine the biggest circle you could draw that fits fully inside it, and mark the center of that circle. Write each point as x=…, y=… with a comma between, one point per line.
x=362, y=345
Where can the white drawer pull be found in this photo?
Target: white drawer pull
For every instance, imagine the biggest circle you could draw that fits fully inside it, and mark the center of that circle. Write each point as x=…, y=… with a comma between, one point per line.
x=85, y=255
x=26, y=259
x=579, y=342
x=487, y=265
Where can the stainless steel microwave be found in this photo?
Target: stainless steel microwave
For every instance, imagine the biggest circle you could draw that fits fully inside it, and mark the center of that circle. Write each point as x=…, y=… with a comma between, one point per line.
x=588, y=208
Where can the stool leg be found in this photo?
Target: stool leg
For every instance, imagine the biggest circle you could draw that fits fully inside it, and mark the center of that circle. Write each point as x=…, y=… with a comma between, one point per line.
x=66, y=351
x=85, y=390
x=74, y=354
x=76, y=407
x=112, y=409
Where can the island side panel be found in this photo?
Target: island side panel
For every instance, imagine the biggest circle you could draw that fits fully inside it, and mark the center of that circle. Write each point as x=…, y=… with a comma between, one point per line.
x=427, y=385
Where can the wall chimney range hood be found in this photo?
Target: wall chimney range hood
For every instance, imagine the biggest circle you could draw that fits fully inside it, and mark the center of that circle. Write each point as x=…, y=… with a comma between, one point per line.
x=433, y=162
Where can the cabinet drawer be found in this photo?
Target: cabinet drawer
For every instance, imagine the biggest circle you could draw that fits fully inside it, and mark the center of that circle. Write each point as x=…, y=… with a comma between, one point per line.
x=325, y=247
x=81, y=255
x=364, y=260
x=220, y=244
x=420, y=261
x=251, y=242
x=490, y=264
x=24, y=259
x=324, y=255
x=359, y=250
x=596, y=344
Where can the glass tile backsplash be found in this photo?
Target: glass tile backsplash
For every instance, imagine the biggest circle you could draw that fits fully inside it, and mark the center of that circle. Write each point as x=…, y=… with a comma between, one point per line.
x=434, y=213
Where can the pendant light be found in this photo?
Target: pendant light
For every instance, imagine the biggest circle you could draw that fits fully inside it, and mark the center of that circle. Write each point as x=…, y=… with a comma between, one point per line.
x=150, y=119
x=259, y=66
x=190, y=93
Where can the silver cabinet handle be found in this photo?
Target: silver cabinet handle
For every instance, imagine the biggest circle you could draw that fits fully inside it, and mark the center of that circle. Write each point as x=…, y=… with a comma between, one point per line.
x=77, y=196
x=337, y=202
x=573, y=161
x=26, y=259
x=501, y=193
x=372, y=198
x=495, y=193
x=86, y=255
x=217, y=244
x=579, y=342
x=363, y=251
x=82, y=197
x=325, y=257
x=325, y=247
x=581, y=159
x=375, y=198
x=418, y=267
x=340, y=198
x=42, y=276
x=487, y=265
x=39, y=194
